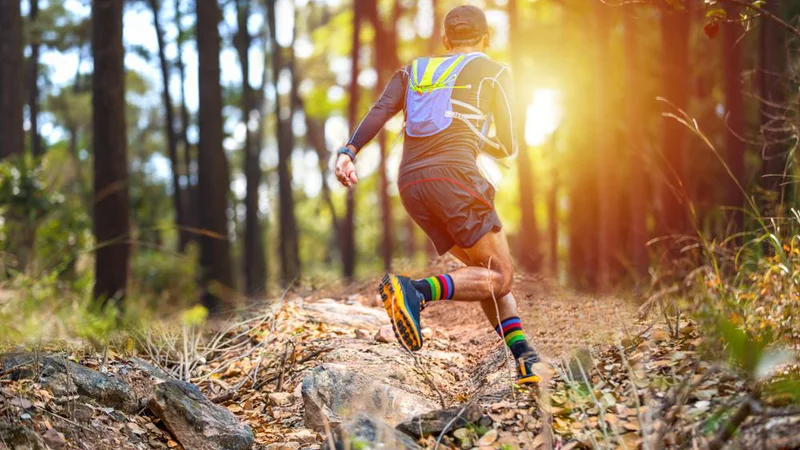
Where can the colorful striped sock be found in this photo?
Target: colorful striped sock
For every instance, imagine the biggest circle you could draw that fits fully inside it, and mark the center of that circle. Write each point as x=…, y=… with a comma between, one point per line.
x=440, y=287
x=514, y=336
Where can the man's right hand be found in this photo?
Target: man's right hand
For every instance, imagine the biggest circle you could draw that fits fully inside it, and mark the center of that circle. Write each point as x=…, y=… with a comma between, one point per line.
x=346, y=170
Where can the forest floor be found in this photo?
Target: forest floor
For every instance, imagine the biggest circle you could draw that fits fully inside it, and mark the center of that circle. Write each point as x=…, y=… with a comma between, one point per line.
x=613, y=380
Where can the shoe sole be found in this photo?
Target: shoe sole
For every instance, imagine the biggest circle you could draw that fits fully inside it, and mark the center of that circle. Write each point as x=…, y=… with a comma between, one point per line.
x=528, y=380
x=403, y=325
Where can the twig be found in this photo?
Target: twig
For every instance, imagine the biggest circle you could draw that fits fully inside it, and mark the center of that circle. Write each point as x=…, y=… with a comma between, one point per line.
x=726, y=432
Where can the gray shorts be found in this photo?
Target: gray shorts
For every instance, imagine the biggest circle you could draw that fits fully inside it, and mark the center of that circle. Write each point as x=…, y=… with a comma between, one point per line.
x=454, y=206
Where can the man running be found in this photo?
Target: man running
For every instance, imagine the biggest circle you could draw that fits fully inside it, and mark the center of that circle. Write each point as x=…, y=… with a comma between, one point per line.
x=448, y=103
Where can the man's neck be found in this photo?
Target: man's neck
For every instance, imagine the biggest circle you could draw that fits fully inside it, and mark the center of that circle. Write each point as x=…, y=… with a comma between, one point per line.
x=457, y=50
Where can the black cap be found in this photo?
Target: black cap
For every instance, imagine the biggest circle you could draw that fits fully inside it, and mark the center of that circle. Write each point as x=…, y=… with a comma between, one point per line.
x=465, y=23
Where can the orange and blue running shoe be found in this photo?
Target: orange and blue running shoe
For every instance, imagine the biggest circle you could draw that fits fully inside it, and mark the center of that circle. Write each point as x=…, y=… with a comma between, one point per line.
x=403, y=303
x=525, y=374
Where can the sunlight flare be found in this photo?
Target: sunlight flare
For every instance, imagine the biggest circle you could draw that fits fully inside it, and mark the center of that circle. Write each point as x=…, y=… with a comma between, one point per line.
x=544, y=115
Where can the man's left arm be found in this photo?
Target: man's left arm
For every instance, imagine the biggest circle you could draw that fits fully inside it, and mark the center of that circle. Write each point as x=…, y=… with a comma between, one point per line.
x=503, y=121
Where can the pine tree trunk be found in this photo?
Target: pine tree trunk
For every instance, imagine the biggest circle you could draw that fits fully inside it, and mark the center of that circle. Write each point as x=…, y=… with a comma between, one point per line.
x=213, y=176
x=530, y=258
x=675, y=89
x=254, y=262
x=385, y=63
x=190, y=190
x=735, y=120
x=607, y=160
x=111, y=222
x=773, y=108
x=636, y=176
x=169, y=130
x=33, y=81
x=348, y=227
x=12, y=135
x=288, y=246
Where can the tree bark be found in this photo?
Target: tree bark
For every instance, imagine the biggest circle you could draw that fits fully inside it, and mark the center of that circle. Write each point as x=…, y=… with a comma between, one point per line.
x=33, y=81
x=348, y=227
x=530, y=258
x=636, y=180
x=190, y=190
x=606, y=158
x=12, y=135
x=735, y=121
x=169, y=131
x=111, y=222
x=435, y=42
x=254, y=261
x=385, y=62
x=773, y=108
x=213, y=176
x=289, y=247
x=675, y=89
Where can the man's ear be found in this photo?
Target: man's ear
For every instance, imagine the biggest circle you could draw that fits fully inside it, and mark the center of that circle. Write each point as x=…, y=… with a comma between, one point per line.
x=445, y=42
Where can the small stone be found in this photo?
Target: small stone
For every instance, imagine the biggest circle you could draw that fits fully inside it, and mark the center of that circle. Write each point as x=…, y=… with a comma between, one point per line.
x=283, y=446
x=455, y=372
x=303, y=436
x=361, y=334
x=461, y=433
x=82, y=412
x=369, y=432
x=385, y=334
x=487, y=439
x=53, y=438
x=427, y=333
x=280, y=398
x=434, y=422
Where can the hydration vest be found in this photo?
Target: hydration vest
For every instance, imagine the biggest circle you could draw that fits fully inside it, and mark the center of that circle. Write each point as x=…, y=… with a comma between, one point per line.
x=429, y=102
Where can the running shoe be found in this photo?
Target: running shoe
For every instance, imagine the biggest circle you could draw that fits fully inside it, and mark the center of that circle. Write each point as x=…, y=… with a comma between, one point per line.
x=403, y=304
x=525, y=373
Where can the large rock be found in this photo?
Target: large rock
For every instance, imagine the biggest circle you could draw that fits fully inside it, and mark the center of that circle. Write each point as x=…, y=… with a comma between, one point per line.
x=195, y=422
x=367, y=432
x=354, y=316
x=63, y=377
x=18, y=437
x=332, y=392
x=434, y=422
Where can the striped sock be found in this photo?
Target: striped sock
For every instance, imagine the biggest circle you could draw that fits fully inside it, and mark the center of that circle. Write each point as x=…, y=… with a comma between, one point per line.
x=440, y=287
x=514, y=336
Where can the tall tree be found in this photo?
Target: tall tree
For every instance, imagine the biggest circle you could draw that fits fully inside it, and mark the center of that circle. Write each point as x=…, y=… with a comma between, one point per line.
x=111, y=222
x=348, y=241
x=635, y=142
x=607, y=161
x=435, y=42
x=12, y=135
x=529, y=231
x=190, y=192
x=289, y=246
x=169, y=131
x=386, y=62
x=772, y=93
x=213, y=176
x=255, y=271
x=675, y=88
x=735, y=121
x=33, y=79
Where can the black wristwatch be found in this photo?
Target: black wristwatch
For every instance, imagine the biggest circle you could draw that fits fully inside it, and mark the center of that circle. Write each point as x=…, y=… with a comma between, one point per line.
x=348, y=152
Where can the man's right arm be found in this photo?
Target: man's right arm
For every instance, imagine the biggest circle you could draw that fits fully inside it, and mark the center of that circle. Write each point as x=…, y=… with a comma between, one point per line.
x=390, y=103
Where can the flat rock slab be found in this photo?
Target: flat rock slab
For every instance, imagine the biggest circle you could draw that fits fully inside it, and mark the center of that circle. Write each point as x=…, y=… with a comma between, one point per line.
x=363, y=431
x=63, y=377
x=332, y=392
x=195, y=422
x=434, y=422
x=18, y=437
x=355, y=316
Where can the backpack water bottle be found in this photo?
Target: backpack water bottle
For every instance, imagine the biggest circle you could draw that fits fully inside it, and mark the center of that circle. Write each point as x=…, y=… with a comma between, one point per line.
x=429, y=103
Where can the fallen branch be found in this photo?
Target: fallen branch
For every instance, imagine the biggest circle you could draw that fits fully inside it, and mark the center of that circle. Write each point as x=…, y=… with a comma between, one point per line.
x=726, y=432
